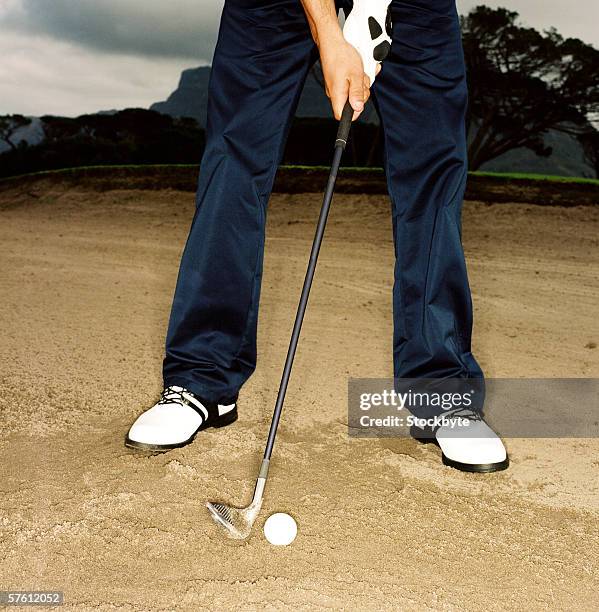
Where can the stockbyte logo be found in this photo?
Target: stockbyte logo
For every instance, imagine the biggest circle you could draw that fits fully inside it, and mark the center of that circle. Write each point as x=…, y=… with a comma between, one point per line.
x=388, y=421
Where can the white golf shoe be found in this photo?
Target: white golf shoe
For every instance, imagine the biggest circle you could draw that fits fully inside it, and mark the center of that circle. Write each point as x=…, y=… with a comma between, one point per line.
x=175, y=420
x=467, y=443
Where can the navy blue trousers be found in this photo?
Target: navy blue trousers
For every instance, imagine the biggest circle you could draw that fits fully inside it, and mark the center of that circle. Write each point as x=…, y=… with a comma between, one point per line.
x=263, y=55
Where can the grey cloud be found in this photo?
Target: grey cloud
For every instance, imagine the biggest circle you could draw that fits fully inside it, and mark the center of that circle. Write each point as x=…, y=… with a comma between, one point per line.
x=159, y=28
x=575, y=19
x=187, y=28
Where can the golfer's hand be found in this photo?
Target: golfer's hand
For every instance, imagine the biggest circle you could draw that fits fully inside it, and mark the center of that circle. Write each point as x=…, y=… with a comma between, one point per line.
x=343, y=75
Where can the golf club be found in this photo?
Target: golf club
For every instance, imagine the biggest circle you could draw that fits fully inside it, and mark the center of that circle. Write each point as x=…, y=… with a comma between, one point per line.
x=238, y=521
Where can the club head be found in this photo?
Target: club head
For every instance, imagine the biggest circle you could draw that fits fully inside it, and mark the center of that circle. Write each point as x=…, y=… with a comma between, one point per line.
x=237, y=522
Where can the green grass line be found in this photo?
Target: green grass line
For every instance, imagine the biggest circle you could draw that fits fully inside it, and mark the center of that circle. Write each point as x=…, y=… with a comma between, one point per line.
x=505, y=176
x=77, y=169
x=535, y=177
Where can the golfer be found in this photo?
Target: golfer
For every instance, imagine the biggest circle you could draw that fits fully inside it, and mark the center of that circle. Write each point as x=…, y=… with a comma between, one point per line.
x=264, y=52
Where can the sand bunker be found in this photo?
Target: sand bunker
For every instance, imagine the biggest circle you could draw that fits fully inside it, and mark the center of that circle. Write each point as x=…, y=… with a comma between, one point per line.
x=86, y=282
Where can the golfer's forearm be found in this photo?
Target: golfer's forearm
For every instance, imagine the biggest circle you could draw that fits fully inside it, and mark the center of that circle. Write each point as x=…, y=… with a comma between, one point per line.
x=323, y=21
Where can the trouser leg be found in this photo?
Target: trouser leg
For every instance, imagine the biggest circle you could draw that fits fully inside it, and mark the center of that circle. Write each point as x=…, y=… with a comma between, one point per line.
x=262, y=57
x=421, y=95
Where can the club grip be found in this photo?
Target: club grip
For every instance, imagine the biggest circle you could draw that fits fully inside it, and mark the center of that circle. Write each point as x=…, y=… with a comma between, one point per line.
x=344, y=125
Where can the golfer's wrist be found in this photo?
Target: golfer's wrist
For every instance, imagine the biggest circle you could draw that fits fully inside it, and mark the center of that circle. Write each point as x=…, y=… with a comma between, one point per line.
x=327, y=34
x=323, y=20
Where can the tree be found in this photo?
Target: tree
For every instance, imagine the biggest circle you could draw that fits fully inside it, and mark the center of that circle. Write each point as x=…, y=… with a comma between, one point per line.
x=9, y=124
x=131, y=136
x=523, y=83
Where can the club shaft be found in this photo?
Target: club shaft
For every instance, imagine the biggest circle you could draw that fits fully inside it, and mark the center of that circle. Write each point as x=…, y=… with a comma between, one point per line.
x=340, y=143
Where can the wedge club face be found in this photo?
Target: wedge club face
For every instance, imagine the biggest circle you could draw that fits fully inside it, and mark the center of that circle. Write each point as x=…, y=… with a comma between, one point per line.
x=238, y=522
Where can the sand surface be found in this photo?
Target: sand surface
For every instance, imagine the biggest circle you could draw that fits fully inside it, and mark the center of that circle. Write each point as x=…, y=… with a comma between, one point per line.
x=86, y=284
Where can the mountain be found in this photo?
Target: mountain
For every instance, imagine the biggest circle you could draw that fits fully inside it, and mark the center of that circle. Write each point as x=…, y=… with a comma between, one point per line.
x=190, y=99
x=567, y=159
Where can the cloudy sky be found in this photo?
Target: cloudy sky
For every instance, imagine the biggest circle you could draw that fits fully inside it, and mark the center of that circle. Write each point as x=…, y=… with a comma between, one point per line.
x=68, y=57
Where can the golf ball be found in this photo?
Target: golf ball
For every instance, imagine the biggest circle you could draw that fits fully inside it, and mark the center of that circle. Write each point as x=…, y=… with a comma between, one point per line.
x=280, y=529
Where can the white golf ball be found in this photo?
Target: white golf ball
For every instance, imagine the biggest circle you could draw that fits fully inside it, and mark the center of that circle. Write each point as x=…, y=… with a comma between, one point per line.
x=280, y=529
